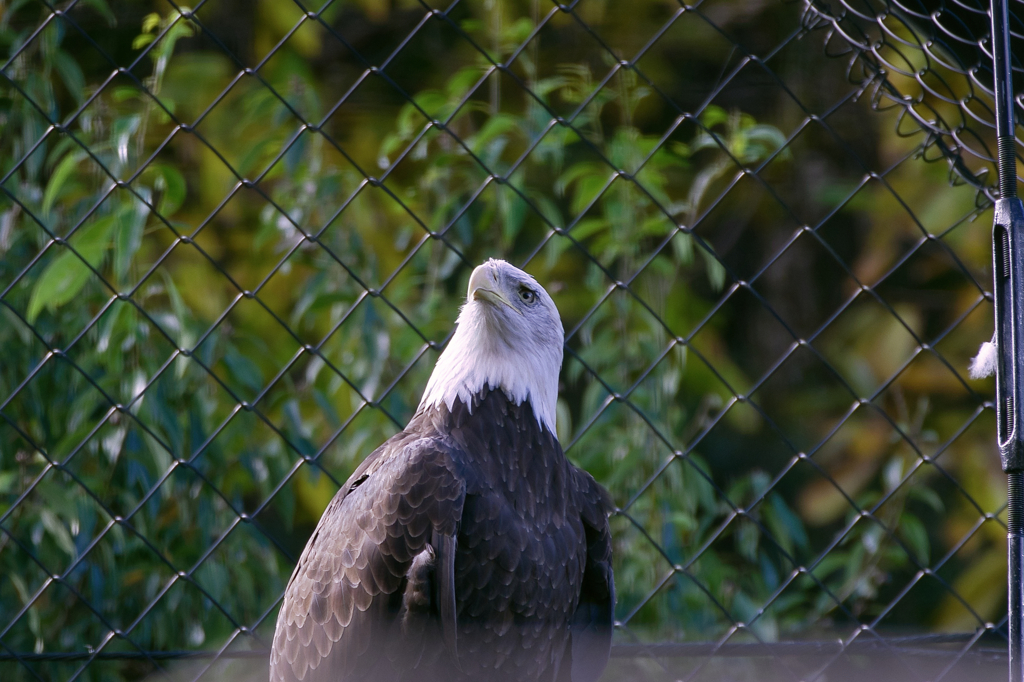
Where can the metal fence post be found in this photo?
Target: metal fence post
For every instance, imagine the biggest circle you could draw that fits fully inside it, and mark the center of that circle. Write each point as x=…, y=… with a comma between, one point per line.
x=1008, y=273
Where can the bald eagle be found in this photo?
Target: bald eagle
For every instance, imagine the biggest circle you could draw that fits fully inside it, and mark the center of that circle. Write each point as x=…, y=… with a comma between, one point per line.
x=467, y=546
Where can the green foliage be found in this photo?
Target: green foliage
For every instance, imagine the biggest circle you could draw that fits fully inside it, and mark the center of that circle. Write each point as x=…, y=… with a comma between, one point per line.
x=185, y=297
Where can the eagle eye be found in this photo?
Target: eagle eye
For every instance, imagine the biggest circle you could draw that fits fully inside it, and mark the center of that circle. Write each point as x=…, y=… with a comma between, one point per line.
x=527, y=294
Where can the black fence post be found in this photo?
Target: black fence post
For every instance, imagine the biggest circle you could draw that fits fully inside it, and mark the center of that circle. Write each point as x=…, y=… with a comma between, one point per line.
x=1008, y=273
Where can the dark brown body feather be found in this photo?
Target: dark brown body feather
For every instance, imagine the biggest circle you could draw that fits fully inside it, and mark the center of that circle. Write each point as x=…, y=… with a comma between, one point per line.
x=465, y=547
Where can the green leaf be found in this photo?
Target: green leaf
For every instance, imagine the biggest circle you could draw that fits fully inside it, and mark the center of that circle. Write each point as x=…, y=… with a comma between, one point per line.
x=715, y=270
x=548, y=210
x=410, y=119
x=513, y=212
x=169, y=181
x=747, y=539
x=121, y=133
x=389, y=145
x=177, y=302
x=8, y=479
x=459, y=84
x=914, y=534
x=831, y=563
x=587, y=190
x=124, y=92
x=59, y=178
x=588, y=227
x=770, y=135
x=67, y=274
x=71, y=73
x=517, y=31
x=150, y=22
x=928, y=497
x=708, y=141
x=244, y=370
x=58, y=531
x=58, y=151
x=499, y=124
x=548, y=85
x=680, y=149
x=328, y=408
x=785, y=525
x=180, y=312
x=577, y=171
x=713, y=116
x=131, y=220
x=141, y=40
x=256, y=154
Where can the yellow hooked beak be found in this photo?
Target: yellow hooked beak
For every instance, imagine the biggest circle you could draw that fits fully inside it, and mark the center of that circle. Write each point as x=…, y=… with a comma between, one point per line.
x=484, y=286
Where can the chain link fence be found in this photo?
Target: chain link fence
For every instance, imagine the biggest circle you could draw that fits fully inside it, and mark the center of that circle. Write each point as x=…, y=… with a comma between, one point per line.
x=235, y=236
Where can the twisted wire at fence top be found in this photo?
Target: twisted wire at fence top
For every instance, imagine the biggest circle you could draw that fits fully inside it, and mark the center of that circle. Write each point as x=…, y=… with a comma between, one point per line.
x=865, y=39
x=925, y=43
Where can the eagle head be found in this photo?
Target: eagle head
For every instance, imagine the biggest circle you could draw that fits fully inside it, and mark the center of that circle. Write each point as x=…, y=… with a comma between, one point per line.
x=509, y=337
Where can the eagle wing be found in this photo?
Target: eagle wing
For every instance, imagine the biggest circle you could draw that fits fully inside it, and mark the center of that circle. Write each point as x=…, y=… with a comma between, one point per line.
x=592, y=623
x=383, y=551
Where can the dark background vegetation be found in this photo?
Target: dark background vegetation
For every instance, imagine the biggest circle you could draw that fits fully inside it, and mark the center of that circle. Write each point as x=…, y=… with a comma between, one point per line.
x=769, y=311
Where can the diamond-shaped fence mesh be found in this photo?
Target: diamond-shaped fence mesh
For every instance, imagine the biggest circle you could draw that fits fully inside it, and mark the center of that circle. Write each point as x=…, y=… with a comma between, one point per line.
x=234, y=238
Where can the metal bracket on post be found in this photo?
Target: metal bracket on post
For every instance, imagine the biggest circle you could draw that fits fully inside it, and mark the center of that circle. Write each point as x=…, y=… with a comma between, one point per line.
x=1008, y=276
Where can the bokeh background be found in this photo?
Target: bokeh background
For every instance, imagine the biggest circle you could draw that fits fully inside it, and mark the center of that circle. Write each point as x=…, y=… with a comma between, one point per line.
x=234, y=238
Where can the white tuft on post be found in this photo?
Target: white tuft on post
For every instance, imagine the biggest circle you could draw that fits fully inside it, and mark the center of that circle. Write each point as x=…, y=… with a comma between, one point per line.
x=984, y=363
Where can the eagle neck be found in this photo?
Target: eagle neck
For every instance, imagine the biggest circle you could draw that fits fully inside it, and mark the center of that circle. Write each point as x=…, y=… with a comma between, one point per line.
x=477, y=358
